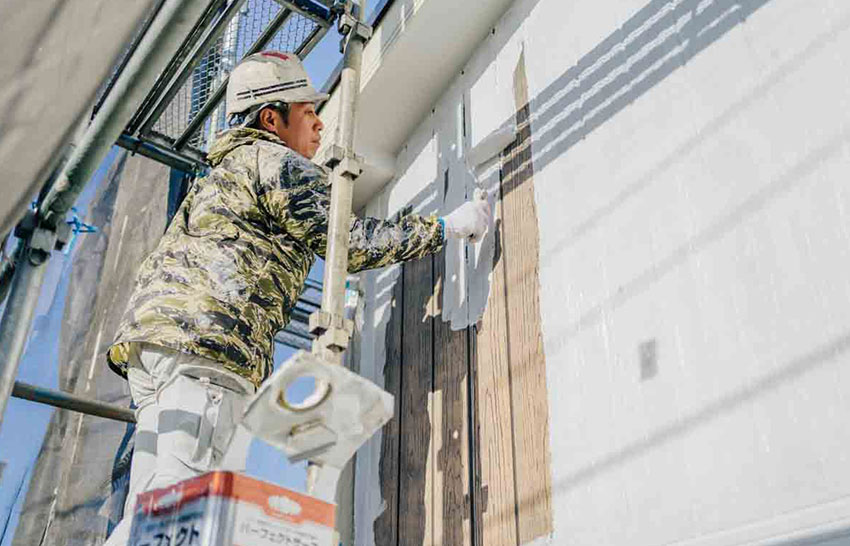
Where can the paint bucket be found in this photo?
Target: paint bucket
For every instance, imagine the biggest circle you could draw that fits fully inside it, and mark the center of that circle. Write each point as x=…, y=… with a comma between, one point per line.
x=228, y=509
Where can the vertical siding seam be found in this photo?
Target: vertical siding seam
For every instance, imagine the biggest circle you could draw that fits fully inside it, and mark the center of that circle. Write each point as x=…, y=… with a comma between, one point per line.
x=471, y=436
x=431, y=311
x=396, y=530
x=504, y=261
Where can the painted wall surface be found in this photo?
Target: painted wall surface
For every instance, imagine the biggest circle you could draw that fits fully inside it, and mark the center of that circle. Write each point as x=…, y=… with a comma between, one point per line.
x=690, y=162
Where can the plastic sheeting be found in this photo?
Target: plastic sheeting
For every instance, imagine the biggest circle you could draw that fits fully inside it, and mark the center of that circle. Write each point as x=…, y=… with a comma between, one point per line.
x=49, y=74
x=78, y=483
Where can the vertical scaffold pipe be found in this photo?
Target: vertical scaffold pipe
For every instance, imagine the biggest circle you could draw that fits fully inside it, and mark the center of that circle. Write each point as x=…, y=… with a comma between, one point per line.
x=342, y=186
x=342, y=190
x=15, y=325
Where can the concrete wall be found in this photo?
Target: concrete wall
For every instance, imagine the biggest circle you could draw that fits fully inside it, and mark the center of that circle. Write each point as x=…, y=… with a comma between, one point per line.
x=690, y=164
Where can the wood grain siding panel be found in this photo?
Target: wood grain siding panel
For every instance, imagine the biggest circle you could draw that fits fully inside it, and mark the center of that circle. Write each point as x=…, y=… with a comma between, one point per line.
x=520, y=260
x=415, y=509
x=451, y=444
x=469, y=445
x=386, y=525
x=495, y=495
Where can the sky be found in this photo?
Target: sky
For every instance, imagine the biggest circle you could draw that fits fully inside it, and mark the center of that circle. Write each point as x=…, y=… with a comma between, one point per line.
x=321, y=62
x=25, y=423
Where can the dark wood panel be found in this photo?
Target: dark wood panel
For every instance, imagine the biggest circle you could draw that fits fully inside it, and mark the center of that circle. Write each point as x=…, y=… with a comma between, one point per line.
x=386, y=525
x=415, y=479
x=469, y=446
x=451, y=431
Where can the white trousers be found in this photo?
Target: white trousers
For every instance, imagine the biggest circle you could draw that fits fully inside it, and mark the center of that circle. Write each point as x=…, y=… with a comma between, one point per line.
x=187, y=422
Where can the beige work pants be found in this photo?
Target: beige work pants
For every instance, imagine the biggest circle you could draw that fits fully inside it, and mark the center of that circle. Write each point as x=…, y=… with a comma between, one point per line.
x=187, y=422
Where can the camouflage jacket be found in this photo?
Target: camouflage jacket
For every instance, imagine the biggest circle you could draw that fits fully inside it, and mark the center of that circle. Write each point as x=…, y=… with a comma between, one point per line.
x=223, y=278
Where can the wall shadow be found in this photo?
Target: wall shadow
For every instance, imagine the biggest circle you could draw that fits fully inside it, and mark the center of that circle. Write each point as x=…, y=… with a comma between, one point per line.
x=780, y=75
x=660, y=38
x=651, y=45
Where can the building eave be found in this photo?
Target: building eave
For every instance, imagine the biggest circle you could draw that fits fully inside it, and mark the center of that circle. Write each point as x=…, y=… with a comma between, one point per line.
x=417, y=49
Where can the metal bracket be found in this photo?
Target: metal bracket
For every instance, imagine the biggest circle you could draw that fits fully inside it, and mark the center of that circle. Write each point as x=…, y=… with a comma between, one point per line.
x=334, y=155
x=335, y=339
x=349, y=165
x=332, y=332
x=42, y=240
x=320, y=322
x=27, y=225
x=348, y=22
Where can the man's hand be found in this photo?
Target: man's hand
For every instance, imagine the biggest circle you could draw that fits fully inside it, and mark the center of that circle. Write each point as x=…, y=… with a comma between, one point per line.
x=469, y=220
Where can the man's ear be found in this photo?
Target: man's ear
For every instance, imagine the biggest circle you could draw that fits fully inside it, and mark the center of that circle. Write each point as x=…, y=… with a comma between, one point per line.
x=267, y=119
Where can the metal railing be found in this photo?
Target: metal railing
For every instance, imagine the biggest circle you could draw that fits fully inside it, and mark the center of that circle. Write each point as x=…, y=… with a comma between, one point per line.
x=185, y=109
x=68, y=401
x=296, y=335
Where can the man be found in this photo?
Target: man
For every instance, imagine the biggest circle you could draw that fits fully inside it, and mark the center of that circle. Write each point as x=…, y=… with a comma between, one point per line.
x=197, y=337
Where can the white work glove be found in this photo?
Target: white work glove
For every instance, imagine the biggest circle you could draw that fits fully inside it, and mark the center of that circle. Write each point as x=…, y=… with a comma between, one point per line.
x=469, y=220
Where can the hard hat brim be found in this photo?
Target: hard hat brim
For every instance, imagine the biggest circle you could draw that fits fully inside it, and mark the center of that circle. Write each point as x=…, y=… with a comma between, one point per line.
x=314, y=97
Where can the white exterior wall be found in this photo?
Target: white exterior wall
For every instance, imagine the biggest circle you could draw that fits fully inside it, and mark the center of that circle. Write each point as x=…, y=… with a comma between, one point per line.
x=705, y=213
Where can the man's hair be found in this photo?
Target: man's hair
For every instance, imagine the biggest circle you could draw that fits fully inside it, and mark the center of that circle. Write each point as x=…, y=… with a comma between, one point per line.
x=251, y=117
x=281, y=108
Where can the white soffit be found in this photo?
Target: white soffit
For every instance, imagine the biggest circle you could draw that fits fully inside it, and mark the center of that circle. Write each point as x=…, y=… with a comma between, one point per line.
x=416, y=51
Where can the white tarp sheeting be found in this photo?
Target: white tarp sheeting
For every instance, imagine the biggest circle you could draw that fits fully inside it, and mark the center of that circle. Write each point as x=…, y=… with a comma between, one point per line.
x=54, y=55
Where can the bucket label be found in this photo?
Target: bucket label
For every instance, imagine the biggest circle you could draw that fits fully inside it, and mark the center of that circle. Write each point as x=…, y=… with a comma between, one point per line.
x=183, y=529
x=258, y=531
x=227, y=509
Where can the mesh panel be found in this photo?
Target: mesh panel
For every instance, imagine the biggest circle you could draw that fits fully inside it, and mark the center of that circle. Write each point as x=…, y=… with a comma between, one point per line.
x=209, y=73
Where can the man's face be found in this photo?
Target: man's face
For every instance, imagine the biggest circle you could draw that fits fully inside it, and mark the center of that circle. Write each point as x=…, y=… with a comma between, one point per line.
x=303, y=132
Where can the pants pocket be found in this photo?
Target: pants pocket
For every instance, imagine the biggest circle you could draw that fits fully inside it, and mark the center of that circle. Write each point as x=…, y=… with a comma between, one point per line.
x=197, y=423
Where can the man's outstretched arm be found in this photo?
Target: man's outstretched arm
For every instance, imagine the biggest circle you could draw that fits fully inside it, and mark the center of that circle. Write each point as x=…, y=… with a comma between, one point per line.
x=301, y=204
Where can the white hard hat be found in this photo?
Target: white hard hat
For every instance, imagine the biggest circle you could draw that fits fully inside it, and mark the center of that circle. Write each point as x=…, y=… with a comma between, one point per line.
x=266, y=77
